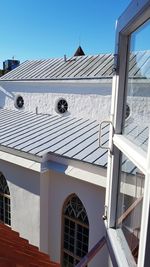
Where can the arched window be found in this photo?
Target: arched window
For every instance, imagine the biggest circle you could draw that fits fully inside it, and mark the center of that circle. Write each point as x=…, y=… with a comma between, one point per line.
x=4, y=201
x=75, y=232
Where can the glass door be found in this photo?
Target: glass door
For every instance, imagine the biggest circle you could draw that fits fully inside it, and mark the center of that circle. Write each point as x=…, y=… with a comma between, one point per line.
x=128, y=182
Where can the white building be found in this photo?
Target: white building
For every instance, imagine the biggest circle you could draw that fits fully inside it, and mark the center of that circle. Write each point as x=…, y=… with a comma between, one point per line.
x=82, y=81
x=51, y=160
x=42, y=184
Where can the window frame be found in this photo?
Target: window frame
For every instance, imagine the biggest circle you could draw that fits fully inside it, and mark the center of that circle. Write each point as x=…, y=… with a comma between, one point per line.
x=4, y=195
x=77, y=222
x=134, y=16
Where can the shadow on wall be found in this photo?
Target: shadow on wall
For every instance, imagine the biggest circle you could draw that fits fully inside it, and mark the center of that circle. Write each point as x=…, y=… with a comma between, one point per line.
x=57, y=87
x=3, y=94
x=21, y=177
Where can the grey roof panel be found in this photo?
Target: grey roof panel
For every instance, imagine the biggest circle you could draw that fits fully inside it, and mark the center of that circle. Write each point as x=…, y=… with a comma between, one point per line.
x=76, y=141
x=65, y=136
x=11, y=75
x=94, y=62
x=81, y=155
x=41, y=132
x=70, y=72
x=102, y=160
x=74, y=150
x=56, y=65
x=82, y=67
x=45, y=138
x=39, y=66
x=27, y=132
x=15, y=123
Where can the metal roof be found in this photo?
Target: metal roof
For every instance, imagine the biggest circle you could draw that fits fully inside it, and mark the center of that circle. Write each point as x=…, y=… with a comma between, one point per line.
x=73, y=138
x=39, y=134
x=77, y=67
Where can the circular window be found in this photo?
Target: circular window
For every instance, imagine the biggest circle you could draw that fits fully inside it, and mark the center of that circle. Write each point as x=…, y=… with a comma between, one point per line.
x=127, y=111
x=62, y=106
x=19, y=102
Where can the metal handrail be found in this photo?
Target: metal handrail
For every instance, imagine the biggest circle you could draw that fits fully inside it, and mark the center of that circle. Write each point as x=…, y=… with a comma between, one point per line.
x=90, y=255
x=129, y=210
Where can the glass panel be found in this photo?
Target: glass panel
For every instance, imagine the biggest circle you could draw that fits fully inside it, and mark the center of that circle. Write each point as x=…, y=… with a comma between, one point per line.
x=68, y=260
x=69, y=235
x=82, y=241
x=76, y=232
x=75, y=210
x=137, y=115
x=130, y=200
x=1, y=208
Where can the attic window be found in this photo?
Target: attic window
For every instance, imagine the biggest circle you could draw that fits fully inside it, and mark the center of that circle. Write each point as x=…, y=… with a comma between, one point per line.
x=62, y=106
x=19, y=102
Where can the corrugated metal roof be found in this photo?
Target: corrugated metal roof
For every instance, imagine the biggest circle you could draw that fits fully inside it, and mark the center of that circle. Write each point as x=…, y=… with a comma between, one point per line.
x=69, y=137
x=66, y=136
x=77, y=67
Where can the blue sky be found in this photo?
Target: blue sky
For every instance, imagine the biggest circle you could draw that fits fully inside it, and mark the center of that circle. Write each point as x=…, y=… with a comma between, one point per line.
x=34, y=29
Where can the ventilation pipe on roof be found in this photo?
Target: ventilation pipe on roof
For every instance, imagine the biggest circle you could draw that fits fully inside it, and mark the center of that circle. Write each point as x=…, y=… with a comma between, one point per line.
x=36, y=110
x=65, y=58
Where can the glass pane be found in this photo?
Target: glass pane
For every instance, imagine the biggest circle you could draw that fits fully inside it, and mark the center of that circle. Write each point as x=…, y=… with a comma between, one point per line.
x=69, y=235
x=1, y=208
x=137, y=115
x=130, y=200
x=68, y=261
x=82, y=241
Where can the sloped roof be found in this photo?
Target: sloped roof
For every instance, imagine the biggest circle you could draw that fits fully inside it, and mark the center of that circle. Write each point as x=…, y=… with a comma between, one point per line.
x=35, y=135
x=16, y=251
x=77, y=67
x=83, y=67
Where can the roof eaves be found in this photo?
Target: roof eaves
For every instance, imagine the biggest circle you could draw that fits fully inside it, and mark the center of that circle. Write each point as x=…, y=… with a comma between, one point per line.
x=59, y=79
x=20, y=153
x=64, y=160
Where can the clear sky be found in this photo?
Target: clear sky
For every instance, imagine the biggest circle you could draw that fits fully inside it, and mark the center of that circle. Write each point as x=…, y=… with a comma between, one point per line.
x=34, y=29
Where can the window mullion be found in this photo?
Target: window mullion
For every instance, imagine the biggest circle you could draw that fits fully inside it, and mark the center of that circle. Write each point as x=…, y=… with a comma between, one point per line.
x=75, y=243
x=137, y=155
x=131, y=154
x=4, y=214
x=144, y=246
x=113, y=176
x=116, y=115
x=117, y=250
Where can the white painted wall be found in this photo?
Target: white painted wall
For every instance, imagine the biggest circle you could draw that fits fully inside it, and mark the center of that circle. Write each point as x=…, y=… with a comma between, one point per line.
x=36, y=207
x=85, y=100
x=44, y=211
x=24, y=186
x=92, y=196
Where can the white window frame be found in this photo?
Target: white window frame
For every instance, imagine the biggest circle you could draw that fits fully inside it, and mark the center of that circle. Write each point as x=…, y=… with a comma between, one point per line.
x=133, y=17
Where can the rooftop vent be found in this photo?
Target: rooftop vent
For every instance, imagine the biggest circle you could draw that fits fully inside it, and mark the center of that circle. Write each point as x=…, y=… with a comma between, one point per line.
x=19, y=101
x=61, y=105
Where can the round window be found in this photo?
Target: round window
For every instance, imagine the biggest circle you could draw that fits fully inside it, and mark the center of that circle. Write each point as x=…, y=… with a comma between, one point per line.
x=62, y=106
x=19, y=102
